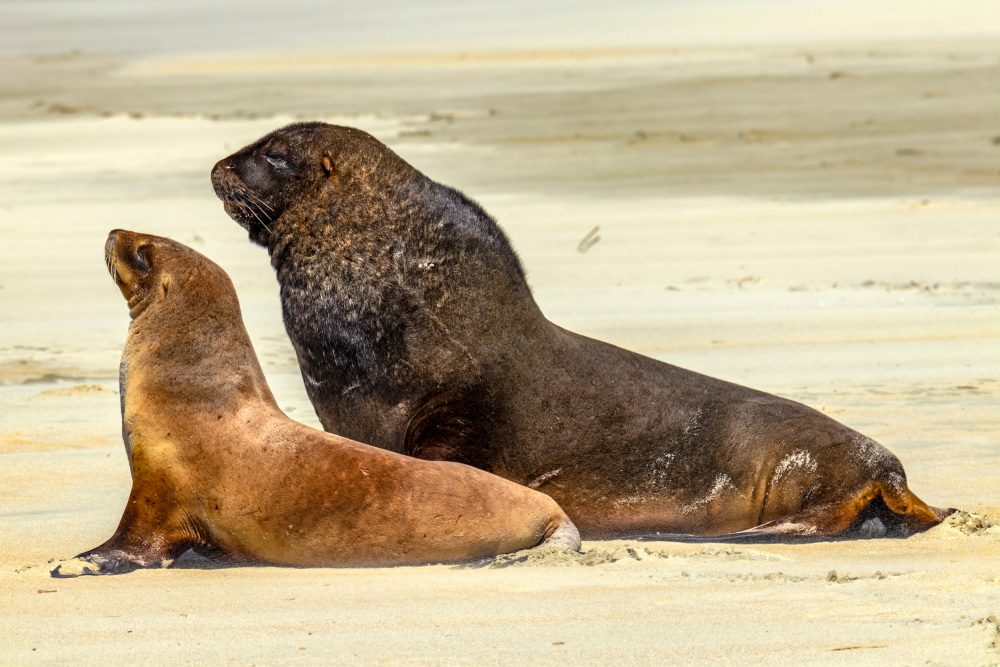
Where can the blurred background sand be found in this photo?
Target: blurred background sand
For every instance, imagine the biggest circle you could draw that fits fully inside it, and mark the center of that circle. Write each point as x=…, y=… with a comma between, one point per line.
x=796, y=197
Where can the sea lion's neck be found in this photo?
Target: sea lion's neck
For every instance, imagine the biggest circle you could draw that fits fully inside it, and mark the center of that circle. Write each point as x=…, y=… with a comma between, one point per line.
x=372, y=282
x=392, y=236
x=195, y=357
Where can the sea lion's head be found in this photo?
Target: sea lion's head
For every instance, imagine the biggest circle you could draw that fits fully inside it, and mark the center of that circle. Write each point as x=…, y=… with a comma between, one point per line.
x=308, y=167
x=147, y=268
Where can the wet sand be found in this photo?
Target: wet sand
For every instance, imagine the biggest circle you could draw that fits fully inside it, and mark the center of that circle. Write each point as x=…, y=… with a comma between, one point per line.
x=819, y=222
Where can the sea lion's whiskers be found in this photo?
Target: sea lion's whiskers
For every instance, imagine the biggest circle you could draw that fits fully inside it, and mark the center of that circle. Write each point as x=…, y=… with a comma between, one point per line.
x=233, y=197
x=229, y=192
x=258, y=200
x=242, y=199
x=246, y=199
x=240, y=205
x=249, y=199
x=259, y=209
x=246, y=208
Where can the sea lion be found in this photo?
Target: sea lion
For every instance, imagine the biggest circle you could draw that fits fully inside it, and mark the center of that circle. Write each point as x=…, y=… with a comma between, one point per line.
x=217, y=467
x=416, y=331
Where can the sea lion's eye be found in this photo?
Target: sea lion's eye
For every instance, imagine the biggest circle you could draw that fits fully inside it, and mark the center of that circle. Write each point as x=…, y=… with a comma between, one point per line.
x=141, y=259
x=276, y=162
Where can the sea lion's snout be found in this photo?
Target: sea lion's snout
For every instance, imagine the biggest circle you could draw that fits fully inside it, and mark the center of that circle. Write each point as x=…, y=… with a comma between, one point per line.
x=243, y=200
x=109, y=250
x=127, y=256
x=112, y=248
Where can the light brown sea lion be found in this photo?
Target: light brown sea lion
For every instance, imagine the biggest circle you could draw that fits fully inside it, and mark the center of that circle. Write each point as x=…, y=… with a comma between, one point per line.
x=218, y=468
x=416, y=331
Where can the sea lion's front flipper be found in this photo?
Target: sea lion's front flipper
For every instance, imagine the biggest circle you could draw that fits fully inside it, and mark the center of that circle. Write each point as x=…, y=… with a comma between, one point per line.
x=111, y=561
x=454, y=425
x=150, y=534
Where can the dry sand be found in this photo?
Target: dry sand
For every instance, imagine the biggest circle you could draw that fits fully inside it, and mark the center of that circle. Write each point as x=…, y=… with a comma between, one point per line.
x=821, y=222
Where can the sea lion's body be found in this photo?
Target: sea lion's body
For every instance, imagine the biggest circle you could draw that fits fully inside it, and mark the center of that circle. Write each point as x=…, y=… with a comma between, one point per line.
x=217, y=467
x=416, y=331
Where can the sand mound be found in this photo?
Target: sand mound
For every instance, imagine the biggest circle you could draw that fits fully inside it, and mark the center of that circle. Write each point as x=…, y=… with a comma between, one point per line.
x=970, y=523
x=614, y=553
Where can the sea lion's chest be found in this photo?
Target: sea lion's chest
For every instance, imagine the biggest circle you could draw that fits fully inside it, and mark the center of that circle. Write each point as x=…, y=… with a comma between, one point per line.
x=353, y=329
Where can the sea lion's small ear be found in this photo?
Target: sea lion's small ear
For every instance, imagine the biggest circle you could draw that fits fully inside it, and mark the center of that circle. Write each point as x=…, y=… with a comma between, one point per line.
x=165, y=284
x=327, y=165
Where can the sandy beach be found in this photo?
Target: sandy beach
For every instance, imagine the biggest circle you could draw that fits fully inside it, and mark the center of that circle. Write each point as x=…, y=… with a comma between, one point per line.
x=817, y=218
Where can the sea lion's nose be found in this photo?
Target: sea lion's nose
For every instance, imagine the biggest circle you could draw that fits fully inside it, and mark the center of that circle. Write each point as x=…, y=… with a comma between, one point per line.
x=220, y=176
x=222, y=165
x=115, y=236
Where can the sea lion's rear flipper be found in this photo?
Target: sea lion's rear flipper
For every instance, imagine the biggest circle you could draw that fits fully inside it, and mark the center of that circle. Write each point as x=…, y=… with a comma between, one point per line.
x=880, y=508
x=564, y=535
x=884, y=508
x=561, y=539
x=901, y=510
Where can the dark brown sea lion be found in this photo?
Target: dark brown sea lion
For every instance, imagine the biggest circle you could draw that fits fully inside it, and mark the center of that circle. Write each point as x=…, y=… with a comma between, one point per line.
x=416, y=331
x=217, y=467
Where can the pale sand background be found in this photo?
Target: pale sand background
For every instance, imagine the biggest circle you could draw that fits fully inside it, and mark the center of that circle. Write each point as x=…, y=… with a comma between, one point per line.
x=799, y=199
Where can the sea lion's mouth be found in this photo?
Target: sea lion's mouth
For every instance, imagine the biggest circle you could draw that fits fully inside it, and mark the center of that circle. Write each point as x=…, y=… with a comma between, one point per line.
x=232, y=210
x=249, y=212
